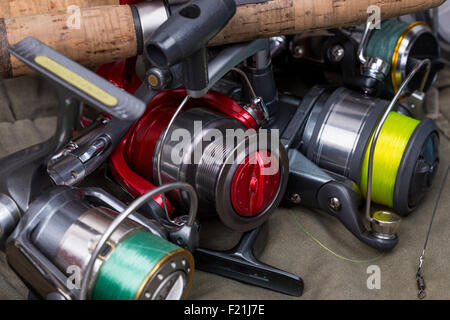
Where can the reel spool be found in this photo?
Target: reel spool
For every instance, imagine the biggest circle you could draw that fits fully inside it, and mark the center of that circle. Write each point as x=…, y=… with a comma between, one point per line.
x=58, y=234
x=401, y=45
x=238, y=187
x=336, y=137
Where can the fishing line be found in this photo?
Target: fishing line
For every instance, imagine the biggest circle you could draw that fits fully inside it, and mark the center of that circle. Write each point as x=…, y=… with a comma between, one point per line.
x=304, y=230
x=419, y=275
x=121, y=276
x=391, y=145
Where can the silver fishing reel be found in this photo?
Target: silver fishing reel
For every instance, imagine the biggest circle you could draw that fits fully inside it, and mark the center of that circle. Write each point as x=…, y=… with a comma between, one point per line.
x=57, y=237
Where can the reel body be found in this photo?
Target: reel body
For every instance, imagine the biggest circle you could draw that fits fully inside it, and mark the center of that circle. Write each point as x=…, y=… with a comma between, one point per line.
x=55, y=238
x=225, y=158
x=337, y=135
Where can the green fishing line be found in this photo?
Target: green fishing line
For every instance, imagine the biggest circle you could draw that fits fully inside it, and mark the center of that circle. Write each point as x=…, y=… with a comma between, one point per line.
x=121, y=276
x=383, y=44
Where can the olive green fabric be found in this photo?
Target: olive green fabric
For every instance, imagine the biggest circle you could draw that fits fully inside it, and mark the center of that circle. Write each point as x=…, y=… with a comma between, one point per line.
x=325, y=276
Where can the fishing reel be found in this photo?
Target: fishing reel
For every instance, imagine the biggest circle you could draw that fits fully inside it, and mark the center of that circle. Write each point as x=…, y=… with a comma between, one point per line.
x=389, y=53
x=233, y=179
x=218, y=164
x=55, y=239
x=193, y=134
x=372, y=59
x=336, y=137
x=72, y=243
x=333, y=161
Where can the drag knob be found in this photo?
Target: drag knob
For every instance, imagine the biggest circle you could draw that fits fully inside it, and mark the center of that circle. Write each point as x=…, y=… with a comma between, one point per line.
x=248, y=184
x=252, y=189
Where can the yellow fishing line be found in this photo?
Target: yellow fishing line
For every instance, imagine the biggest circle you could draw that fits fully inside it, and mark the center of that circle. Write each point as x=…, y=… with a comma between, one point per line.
x=391, y=145
x=302, y=228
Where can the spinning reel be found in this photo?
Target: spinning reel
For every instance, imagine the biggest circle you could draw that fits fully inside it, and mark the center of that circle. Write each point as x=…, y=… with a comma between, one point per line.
x=406, y=157
x=374, y=60
x=218, y=179
x=71, y=243
x=332, y=158
x=54, y=241
x=233, y=180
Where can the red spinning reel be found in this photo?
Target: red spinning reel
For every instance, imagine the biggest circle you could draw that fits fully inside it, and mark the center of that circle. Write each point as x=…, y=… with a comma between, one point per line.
x=240, y=192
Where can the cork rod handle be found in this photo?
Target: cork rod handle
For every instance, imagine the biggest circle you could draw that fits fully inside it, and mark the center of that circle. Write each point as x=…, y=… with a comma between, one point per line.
x=16, y=8
x=107, y=33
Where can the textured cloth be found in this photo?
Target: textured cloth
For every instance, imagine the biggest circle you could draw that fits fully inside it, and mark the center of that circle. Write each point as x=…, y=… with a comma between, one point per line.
x=288, y=248
x=28, y=108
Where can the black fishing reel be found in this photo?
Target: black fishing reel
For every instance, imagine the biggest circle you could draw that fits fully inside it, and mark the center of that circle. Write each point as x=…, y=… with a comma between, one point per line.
x=333, y=162
x=336, y=135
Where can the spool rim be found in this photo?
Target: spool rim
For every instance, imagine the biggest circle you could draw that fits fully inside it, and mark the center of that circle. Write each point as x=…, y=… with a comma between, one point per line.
x=180, y=252
x=399, y=59
x=112, y=283
x=425, y=130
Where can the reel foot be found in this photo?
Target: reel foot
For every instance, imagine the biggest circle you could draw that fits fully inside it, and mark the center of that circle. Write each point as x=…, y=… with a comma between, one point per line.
x=240, y=263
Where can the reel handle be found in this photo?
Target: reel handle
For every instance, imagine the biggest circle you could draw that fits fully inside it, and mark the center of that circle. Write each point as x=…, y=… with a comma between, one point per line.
x=79, y=81
x=81, y=84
